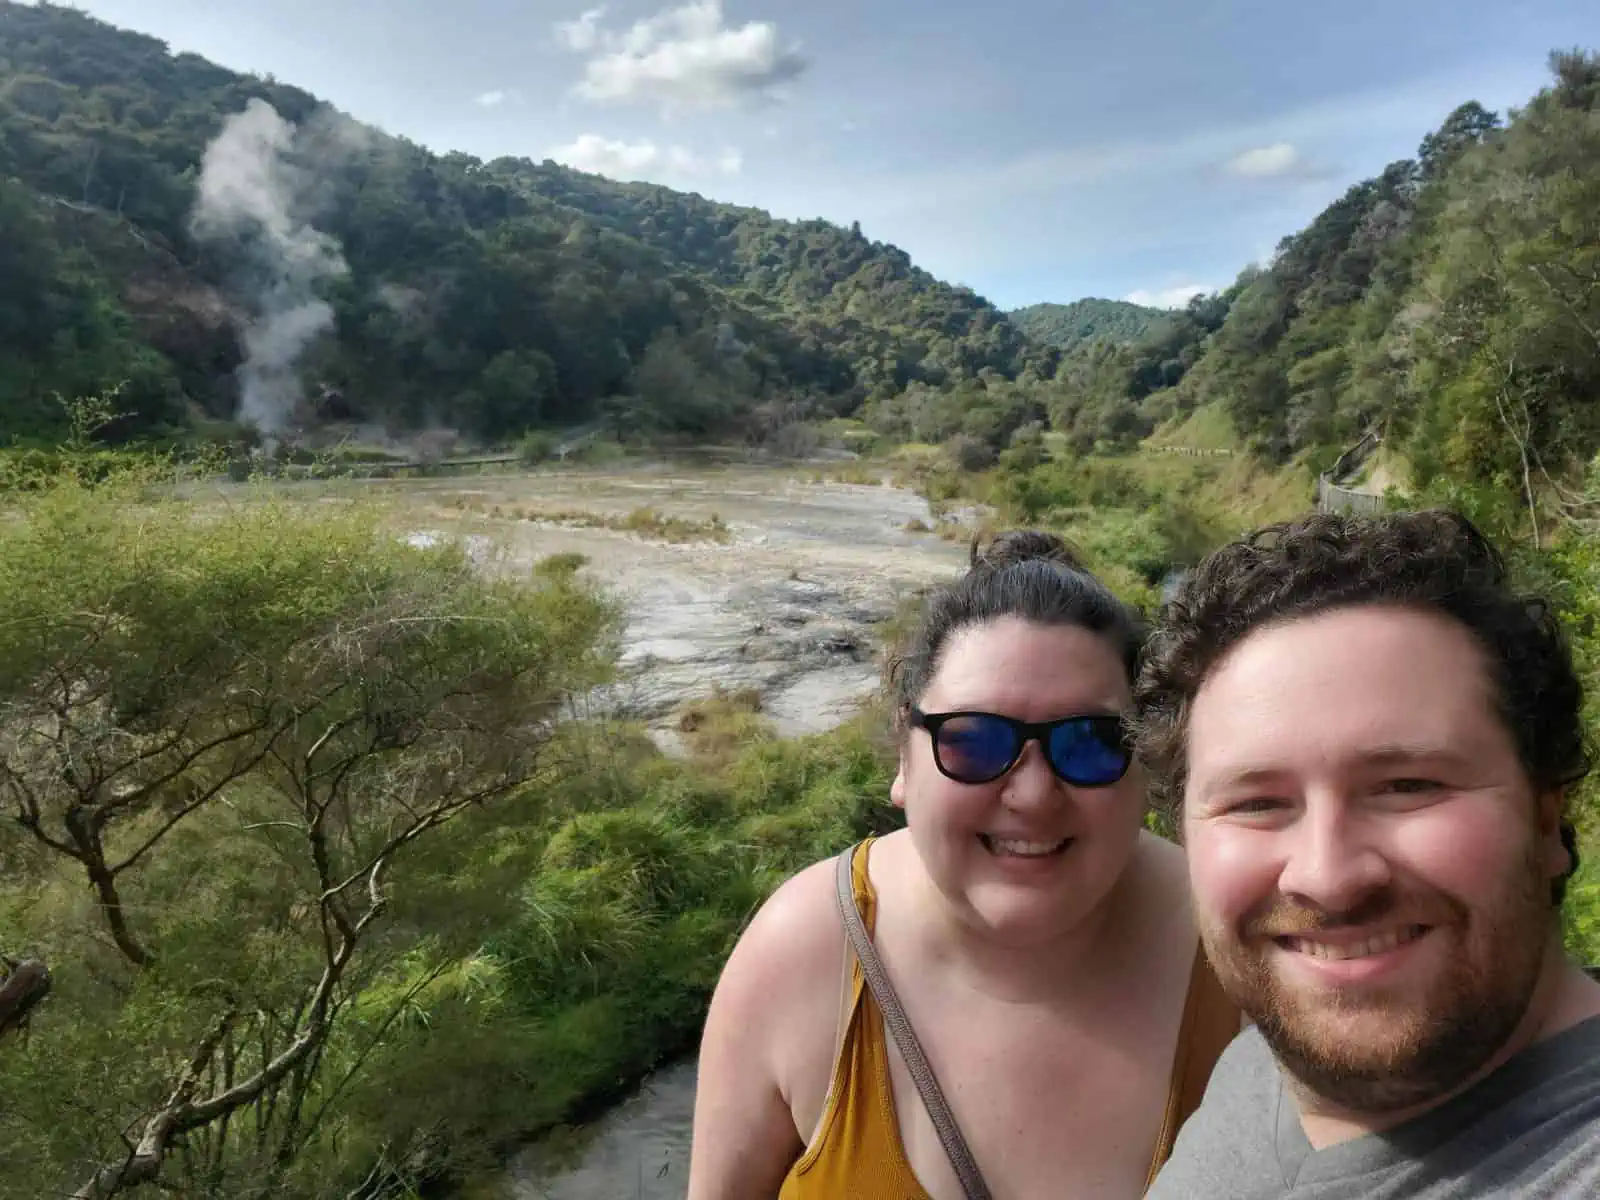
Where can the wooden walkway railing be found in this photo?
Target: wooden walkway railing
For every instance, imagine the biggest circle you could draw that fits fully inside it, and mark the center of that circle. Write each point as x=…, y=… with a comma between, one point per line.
x=1335, y=499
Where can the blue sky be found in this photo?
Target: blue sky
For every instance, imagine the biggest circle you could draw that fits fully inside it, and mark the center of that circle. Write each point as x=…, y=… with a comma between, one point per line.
x=1032, y=149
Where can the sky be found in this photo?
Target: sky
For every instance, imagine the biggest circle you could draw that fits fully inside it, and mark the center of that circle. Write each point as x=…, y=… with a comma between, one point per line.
x=1030, y=149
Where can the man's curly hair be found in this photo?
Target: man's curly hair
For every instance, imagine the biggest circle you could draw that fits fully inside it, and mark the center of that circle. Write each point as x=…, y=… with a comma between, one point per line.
x=1435, y=561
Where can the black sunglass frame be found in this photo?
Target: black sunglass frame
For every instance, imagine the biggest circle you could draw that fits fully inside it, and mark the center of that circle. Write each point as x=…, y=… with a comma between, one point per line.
x=1030, y=731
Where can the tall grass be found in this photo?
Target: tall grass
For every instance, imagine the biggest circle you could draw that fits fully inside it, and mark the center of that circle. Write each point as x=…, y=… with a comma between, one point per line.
x=609, y=921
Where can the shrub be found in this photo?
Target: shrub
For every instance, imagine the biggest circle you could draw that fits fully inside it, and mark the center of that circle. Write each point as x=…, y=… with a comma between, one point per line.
x=970, y=454
x=536, y=447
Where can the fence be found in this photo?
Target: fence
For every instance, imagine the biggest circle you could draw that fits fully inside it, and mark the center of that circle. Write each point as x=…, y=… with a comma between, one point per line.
x=1333, y=498
x=1355, y=456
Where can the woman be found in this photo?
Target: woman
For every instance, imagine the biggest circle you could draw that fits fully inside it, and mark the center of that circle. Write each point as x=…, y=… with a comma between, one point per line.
x=1038, y=939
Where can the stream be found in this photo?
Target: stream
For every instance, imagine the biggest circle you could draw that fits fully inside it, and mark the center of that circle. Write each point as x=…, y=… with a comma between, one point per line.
x=788, y=605
x=637, y=1151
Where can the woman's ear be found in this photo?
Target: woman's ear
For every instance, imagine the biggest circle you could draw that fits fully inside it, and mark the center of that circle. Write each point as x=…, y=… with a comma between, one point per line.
x=897, y=789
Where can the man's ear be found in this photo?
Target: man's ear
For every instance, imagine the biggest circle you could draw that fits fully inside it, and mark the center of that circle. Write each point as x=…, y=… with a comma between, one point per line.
x=1552, y=807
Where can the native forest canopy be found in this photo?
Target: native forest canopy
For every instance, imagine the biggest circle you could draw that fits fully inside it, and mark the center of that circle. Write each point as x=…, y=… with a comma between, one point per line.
x=371, y=280
x=490, y=297
x=1067, y=325
x=325, y=871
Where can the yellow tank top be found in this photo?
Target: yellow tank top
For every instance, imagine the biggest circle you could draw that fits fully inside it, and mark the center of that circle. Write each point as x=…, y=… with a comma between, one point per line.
x=856, y=1150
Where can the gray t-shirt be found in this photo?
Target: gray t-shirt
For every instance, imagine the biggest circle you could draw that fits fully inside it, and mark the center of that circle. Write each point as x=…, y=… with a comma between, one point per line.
x=1531, y=1129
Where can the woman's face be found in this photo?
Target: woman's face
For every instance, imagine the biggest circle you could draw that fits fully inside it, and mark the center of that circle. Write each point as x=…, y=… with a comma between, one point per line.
x=1026, y=856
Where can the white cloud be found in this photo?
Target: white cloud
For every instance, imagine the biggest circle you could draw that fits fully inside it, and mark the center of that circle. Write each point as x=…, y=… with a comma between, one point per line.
x=1168, y=297
x=682, y=58
x=497, y=97
x=582, y=35
x=1265, y=162
x=643, y=160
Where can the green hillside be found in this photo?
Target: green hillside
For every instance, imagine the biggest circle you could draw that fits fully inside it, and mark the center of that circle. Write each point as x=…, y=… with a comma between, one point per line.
x=485, y=297
x=1450, y=301
x=1065, y=326
x=1451, y=304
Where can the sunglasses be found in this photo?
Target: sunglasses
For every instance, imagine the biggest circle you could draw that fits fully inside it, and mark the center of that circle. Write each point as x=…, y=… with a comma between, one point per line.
x=979, y=747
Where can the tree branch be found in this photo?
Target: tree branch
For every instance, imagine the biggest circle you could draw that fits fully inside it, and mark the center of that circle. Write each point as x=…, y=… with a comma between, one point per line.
x=235, y=772
x=143, y=1165
x=22, y=990
x=1521, y=435
x=1561, y=299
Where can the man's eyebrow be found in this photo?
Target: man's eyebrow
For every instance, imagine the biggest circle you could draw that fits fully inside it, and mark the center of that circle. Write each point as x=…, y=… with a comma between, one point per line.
x=1394, y=754
x=1244, y=777
x=1401, y=754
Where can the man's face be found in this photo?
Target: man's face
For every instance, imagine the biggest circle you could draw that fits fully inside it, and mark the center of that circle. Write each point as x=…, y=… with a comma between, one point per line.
x=1371, y=868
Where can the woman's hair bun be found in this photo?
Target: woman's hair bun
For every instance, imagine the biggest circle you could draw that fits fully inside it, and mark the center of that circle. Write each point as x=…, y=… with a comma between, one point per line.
x=1023, y=545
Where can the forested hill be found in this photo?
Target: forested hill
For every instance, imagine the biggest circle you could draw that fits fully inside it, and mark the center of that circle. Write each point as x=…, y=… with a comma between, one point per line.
x=1451, y=304
x=220, y=244
x=486, y=297
x=814, y=271
x=1067, y=325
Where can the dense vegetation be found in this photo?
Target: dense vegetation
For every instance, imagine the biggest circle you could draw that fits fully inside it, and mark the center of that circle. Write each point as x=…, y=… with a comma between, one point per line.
x=1450, y=304
x=1450, y=307
x=488, y=298
x=336, y=895
x=1065, y=326
x=497, y=297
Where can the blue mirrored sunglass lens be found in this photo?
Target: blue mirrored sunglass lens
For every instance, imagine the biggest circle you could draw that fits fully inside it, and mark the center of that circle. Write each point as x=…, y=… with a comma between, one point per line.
x=1088, y=752
x=976, y=747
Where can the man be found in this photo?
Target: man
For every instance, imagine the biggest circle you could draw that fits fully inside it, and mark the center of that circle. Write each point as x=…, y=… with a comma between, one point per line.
x=1370, y=739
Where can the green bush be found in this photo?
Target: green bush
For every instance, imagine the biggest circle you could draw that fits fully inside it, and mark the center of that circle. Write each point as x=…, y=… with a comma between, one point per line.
x=969, y=453
x=536, y=447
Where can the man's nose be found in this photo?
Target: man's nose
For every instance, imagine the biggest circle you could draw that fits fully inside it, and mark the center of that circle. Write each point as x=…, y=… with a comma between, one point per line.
x=1334, y=859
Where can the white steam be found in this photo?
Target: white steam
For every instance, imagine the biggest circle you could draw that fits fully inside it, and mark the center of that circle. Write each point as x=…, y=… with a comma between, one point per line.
x=252, y=194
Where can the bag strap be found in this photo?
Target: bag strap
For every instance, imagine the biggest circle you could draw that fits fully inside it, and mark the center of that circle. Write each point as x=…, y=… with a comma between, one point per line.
x=899, y=1027
x=1210, y=1023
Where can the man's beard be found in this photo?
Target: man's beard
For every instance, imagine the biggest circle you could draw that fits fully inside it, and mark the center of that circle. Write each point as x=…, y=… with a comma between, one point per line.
x=1387, y=1048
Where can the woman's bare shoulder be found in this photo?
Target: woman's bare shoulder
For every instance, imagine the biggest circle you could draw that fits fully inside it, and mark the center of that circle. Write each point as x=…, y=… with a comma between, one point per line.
x=798, y=927
x=1166, y=867
x=790, y=955
x=1163, y=882
x=776, y=1007
x=765, y=1051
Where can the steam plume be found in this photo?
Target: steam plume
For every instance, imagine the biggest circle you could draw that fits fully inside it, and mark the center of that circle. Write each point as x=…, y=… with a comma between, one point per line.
x=251, y=193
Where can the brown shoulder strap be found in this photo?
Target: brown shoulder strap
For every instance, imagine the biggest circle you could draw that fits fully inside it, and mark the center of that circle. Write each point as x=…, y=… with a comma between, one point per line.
x=1217, y=1022
x=1210, y=1022
x=899, y=1027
